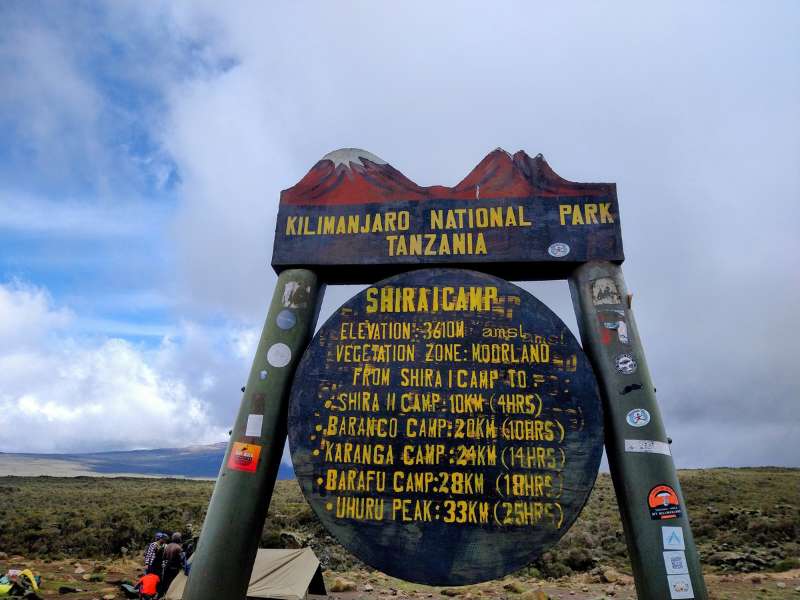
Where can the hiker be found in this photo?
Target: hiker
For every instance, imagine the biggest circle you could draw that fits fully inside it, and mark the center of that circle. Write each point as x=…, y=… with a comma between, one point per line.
x=174, y=561
x=154, y=555
x=148, y=586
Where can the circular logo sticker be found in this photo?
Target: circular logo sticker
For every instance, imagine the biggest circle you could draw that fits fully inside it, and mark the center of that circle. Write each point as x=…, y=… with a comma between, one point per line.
x=286, y=319
x=279, y=355
x=638, y=417
x=558, y=250
x=625, y=364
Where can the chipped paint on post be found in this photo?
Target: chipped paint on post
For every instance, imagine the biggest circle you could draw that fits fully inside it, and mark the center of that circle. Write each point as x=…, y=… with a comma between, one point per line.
x=645, y=480
x=232, y=528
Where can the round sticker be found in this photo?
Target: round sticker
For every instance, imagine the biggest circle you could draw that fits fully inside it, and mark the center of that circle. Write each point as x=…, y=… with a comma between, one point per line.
x=279, y=355
x=558, y=250
x=638, y=417
x=286, y=319
x=625, y=364
x=445, y=426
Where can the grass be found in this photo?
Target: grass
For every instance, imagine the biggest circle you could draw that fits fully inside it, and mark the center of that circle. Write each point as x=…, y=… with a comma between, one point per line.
x=748, y=519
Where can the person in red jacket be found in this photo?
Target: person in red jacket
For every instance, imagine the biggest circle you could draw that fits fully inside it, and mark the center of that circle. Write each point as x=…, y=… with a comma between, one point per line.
x=148, y=586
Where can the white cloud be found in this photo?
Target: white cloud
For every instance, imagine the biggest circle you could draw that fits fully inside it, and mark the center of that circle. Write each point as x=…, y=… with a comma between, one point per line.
x=29, y=214
x=699, y=130
x=65, y=393
x=27, y=317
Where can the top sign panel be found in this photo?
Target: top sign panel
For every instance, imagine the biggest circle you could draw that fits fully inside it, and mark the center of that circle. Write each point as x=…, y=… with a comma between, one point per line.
x=353, y=209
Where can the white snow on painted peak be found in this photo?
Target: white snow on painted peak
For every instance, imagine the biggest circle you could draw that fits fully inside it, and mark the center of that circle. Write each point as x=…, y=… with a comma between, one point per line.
x=344, y=156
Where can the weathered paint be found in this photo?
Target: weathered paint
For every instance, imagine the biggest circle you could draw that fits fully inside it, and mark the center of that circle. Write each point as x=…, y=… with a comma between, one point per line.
x=441, y=396
x=354, y=209
x=232, y=528
x=644, y=475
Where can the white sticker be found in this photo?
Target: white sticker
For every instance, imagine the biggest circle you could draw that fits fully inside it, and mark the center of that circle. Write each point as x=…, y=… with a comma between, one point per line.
x=622, y=332
x=262, y=375
x=673, y=538
x=604, y=291
x=675, y=562
x=625, y=364
x=254, y=423
x=638, y=417
x=279, y=355
x=558, y=250
x=680, y=587
x=295, y=295
x=647, y=446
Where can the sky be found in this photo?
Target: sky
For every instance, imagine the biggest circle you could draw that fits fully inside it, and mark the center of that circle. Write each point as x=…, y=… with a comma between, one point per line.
x=144, y=147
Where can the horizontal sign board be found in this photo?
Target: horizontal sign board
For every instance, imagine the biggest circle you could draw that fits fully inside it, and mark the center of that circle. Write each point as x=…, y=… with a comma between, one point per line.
x=354, y=210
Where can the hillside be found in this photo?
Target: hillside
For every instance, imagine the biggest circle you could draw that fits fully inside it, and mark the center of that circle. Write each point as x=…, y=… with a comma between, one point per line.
x=744, y=520
x=199, y=462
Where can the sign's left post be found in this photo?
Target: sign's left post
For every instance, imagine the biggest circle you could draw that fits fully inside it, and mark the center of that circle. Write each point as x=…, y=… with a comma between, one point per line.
x=222, y=564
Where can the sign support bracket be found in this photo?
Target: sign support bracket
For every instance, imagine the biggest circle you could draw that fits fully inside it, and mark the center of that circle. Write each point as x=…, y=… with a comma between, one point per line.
x=223, y=562
x=636, y=468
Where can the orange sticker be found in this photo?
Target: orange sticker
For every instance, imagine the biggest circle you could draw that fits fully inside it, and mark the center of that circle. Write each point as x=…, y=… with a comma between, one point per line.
x=244, y=457
x=664, y=503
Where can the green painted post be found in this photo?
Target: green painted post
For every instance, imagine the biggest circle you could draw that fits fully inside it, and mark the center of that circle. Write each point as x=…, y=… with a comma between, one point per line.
x=654, y=515
x=222, y=564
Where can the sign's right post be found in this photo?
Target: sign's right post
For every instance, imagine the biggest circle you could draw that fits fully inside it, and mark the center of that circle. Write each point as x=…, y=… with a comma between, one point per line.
x=654, y=517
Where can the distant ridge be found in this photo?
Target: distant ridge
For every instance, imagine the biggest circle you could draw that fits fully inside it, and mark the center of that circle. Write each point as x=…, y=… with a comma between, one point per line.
x=200, y=462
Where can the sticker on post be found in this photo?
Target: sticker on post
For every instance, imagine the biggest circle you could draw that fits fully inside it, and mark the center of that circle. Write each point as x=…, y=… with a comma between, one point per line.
x=279, y=355
x=680, y=587
x=647, y=446
x=244, y=457
x=295, y=295
x=286, y=319
x=613, y=320
x=638, y=417
x=558, y=250
x=673, y=538
x=254, y=423
x=675, y=562
x=625, y=364
x=604, y=291
x=663, y=503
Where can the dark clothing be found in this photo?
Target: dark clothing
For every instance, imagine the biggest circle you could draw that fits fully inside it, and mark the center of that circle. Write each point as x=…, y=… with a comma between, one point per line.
x=174, y=556
x=153, y=558
x=174, y=560
x=170, y=573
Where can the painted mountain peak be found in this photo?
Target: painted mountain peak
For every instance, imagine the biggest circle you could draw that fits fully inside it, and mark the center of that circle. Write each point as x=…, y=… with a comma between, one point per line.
x=355, y=176
x=345, y=156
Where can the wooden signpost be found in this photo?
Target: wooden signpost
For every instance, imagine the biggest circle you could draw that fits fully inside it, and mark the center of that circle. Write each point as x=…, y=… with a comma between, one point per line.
x=445, y=413
x=445, y=425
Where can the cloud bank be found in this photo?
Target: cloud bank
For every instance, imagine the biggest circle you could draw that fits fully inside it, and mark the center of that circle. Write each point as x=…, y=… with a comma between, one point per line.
x=206, y=112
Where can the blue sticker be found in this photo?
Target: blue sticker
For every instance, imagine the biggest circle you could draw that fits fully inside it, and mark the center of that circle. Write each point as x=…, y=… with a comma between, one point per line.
x=286, y=319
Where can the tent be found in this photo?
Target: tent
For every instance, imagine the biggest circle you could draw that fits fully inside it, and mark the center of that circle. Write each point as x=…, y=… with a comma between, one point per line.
x=279, y=574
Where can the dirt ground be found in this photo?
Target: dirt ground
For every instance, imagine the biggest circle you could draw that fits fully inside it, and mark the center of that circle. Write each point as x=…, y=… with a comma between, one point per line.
x=99, y=580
